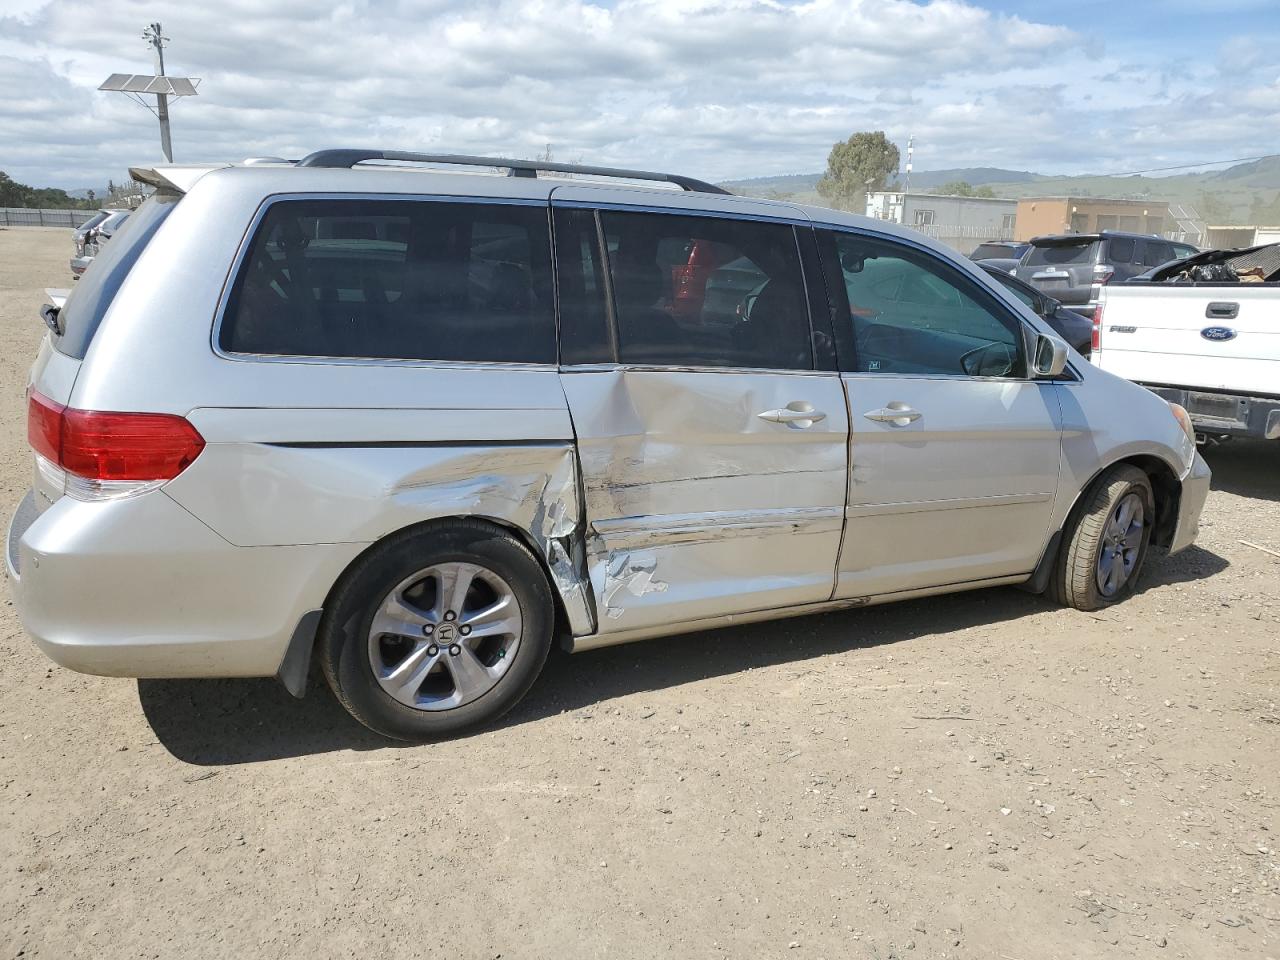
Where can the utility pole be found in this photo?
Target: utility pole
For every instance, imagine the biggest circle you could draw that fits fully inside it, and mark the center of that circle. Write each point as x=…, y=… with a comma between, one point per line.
x=159, y=85
x=154, y=35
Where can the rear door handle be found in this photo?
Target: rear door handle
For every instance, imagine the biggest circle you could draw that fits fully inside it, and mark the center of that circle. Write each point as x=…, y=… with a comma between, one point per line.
x=798, y=413
x=1222, y=310
x=896, y=413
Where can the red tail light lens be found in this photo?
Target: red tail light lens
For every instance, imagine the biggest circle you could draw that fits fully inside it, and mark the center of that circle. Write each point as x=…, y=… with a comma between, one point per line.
x=112, y=446
x=44, y=426
x=1095, y=338
x=1102, y=273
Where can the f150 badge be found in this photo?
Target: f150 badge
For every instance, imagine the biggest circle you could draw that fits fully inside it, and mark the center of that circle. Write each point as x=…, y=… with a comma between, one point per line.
x=1218, y=334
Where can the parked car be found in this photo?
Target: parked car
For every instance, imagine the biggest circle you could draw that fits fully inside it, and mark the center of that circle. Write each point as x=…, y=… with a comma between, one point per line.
x=82, y=231
x=1073, y=267
x=1069, y=325
x=88, y=246
x=999, y=250
x=1000, y=255
x=1202, y=332
x=417, y=425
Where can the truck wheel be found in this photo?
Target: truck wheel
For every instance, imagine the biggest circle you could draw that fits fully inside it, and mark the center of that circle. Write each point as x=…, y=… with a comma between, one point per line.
x=1105, y=543
x=436, y=630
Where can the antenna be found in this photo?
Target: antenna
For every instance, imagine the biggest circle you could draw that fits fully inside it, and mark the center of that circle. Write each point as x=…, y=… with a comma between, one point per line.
x=159, y=84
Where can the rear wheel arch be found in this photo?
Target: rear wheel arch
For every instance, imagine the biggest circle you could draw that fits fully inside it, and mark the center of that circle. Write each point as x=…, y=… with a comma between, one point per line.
x=413, y=529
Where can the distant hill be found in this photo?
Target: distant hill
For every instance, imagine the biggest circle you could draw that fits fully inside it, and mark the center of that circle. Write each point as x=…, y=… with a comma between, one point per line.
x=807, y=183
x=974, y=176
x=1239, y=194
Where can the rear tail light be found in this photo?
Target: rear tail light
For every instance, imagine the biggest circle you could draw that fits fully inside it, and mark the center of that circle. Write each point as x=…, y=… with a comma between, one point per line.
x=1102, y=273
x=1095, y=338
x=107, y=451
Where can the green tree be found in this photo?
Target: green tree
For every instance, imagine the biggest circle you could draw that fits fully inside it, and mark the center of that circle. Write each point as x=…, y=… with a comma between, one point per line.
x=956, y=188
x=863, y=162
x=1265, y=213
x=1212, y=209
x=12, y=194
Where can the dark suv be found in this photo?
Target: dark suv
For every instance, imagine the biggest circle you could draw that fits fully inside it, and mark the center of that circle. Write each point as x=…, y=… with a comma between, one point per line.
x=1071, y=268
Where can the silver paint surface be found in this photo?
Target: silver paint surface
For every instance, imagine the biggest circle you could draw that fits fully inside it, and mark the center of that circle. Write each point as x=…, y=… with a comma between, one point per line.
x=658, y=499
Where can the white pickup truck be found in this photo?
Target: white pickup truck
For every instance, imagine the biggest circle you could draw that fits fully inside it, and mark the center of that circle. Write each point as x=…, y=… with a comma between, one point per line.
x=1203, y=332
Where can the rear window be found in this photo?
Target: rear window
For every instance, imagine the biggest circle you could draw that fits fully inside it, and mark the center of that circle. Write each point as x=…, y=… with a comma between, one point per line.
x=94, y=291
x=1058, y=255
x=396, y=279
x=992, y=251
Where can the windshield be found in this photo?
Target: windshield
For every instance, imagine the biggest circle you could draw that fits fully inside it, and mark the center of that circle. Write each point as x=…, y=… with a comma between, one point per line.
x=93, y=293
x=92, y=222
x=1071, y=253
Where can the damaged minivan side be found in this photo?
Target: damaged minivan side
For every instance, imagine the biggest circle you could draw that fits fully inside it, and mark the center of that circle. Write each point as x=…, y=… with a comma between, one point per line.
x=416, y=426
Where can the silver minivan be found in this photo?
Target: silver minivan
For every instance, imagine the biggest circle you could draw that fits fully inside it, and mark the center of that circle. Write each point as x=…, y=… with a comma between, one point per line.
x=417, y=425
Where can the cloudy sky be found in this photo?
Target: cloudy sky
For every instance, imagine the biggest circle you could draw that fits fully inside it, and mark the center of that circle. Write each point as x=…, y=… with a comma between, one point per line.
x=712, y=88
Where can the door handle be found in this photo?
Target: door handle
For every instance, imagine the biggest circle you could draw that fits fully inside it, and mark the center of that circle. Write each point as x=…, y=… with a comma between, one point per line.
x=796, y=414
x=896, y=413
x=1222, y=310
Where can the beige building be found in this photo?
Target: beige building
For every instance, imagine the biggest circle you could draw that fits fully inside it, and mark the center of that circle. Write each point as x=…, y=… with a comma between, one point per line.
x=1042, y=216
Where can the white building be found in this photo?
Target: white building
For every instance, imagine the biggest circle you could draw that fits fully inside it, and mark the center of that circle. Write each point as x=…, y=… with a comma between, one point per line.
x=960, y=222
x=1229, y=238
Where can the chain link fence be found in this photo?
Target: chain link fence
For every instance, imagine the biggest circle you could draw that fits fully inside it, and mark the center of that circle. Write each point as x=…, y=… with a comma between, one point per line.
x=31, y=217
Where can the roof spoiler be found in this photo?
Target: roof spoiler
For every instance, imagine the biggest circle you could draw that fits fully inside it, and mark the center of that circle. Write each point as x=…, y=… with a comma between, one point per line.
x=175, y=178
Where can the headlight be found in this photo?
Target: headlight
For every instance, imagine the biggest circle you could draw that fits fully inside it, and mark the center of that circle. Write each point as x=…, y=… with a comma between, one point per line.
x=1184, y=420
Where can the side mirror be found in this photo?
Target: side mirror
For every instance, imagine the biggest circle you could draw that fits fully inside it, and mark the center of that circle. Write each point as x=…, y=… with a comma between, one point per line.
x=1049, y=306
x=1050, y=357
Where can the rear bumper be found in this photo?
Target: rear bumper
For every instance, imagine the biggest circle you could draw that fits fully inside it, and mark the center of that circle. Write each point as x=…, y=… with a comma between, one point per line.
x=1195, y=490
x=1226, y=414
x=141, y=588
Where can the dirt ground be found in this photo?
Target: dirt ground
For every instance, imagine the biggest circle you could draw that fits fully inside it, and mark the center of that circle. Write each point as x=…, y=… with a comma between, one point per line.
x=975, y=776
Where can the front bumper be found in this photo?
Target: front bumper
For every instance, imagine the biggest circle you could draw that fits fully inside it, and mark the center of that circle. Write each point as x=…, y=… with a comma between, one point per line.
x=1218, y=414
x=1195, y=490
x=141, y=588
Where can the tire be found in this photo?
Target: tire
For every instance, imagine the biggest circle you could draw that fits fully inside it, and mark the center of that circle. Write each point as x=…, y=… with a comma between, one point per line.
x=1083, y=577
x=412, y=661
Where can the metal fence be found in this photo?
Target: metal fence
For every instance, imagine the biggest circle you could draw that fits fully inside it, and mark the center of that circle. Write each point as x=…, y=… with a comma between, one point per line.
x=963, y=237
x=30, y=217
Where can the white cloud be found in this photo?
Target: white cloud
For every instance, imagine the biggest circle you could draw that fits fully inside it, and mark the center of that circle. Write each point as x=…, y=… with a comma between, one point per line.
x=714, y=88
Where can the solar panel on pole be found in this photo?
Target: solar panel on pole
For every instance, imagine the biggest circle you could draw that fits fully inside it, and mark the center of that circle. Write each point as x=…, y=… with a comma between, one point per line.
x=159, y=85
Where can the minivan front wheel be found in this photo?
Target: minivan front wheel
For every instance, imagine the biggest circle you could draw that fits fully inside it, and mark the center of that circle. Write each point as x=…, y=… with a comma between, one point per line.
x=1105, y=544
x=437, y=629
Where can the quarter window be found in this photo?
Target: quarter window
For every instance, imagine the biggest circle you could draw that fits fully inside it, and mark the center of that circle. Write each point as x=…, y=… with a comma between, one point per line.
x=1121, y=251
x=902, y=311
x=705, y=291
x=396, y=279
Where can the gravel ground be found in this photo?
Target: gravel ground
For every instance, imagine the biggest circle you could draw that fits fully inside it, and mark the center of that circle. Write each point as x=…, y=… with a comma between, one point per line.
x=975, y=776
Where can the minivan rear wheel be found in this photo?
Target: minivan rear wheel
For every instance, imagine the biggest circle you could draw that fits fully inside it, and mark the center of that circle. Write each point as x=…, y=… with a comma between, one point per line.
x=1106, y=541
x=437, y=629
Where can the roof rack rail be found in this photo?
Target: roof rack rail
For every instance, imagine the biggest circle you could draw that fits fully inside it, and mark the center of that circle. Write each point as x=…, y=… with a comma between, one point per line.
x=519, y=168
